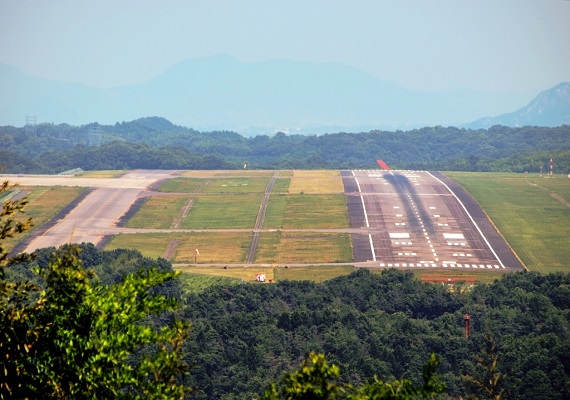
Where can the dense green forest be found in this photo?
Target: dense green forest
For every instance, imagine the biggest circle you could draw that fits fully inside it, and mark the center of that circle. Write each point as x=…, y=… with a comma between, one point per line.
x=244, y=336
x=155, y=143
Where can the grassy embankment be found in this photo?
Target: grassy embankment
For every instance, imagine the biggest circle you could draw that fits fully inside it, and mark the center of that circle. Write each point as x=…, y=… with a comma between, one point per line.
x=102, y=174
x=532, y=213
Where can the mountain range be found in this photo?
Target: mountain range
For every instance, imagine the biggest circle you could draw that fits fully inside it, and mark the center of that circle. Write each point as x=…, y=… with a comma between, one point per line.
x=222, y=93
x=549, y=108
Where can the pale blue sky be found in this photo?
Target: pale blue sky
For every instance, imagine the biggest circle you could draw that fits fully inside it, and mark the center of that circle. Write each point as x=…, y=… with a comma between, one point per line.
x=489, y=45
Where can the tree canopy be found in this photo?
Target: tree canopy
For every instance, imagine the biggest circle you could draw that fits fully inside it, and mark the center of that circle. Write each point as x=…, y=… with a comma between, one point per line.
x=155, y=143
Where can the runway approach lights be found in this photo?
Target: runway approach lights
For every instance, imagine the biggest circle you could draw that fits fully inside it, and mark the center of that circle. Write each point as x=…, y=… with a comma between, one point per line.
x=467, y=319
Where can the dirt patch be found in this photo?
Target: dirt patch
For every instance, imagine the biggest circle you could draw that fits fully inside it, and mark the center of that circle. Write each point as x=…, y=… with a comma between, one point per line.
x=183, y=213
x=171, y=249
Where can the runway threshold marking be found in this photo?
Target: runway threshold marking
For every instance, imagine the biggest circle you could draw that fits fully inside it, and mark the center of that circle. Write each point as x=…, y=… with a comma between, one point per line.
x=365, y=217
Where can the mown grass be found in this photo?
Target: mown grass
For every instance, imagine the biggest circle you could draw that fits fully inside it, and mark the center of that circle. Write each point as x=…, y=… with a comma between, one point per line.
x=306, y=211
x=229, y=173
x=101, y=174
x=213, y=247
x=281, y=185
x=44, y=203
x=184, y=185
x=526, y=211
x=223, y=211
x=243, y=273
x=216, y=185
x=158, y=212
x=303, y=247
x=316, y=182
x=318, y=274
x=247, y=274
x=237, y=185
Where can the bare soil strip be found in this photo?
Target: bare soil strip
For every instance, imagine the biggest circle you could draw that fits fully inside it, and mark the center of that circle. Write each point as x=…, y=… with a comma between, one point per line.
x=260, y=218
x=171, y=249
x=183, y=213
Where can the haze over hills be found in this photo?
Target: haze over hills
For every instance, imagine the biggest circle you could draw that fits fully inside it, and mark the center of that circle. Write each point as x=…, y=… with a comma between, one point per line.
x=220, y=92
x=550, y=108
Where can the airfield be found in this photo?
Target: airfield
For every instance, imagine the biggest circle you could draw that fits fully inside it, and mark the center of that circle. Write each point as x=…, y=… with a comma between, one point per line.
x=393, y=219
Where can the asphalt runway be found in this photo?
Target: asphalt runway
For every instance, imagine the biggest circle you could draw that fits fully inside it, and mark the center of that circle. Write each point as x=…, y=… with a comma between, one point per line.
x=413, y=219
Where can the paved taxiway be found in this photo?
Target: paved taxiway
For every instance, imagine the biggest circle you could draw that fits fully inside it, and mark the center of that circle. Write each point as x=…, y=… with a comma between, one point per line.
x=415, y=220
x=97, y=212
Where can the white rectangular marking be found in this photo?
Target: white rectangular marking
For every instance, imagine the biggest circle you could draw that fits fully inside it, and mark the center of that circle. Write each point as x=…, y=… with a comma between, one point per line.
x=455, y=236
x=399, y=235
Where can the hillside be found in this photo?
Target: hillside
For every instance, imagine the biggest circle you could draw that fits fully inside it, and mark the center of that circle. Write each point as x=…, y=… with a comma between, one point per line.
x=220, y=92
x=549, y=108
x=386, y=324
x=156, y=143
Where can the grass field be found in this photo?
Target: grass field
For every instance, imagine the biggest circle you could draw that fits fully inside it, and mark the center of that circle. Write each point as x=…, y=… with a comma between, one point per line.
x=531, y=212
x=158, y=212
x=303, y=247
x=184, y=185
x=213, y=247
x=281, y=185
x=316, y=182
x=216, y=185
x=223, y=211
x=242, y=273
x=318, y=273
x=306, y=211
x=101, y=174
x=273, y=273
x=231, y=173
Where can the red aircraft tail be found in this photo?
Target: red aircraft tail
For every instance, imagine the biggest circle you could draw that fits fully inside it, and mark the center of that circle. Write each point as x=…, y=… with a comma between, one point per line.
x=383, y=165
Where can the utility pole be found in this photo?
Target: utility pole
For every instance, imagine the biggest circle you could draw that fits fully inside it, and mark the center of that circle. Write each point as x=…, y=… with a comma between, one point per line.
x=467, y=318
x=551, y=167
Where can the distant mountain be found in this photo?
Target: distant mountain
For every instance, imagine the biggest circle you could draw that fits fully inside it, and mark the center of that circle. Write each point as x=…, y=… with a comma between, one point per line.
x=550, y=108
x=222, y=93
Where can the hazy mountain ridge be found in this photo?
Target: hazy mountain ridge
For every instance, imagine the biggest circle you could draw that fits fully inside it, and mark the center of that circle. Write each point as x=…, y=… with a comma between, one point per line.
x=220, y=92
x=549, y=108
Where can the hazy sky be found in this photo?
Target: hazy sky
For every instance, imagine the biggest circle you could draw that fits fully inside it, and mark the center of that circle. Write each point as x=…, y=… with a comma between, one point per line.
x=490, y=45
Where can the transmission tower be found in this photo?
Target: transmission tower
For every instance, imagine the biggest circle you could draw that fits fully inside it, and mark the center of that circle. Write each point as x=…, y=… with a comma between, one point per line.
x=30, y=124
x=95, y=136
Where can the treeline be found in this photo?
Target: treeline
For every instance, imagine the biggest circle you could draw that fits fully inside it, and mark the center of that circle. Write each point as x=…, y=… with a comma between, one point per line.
x=245, y=336
x=156, y=143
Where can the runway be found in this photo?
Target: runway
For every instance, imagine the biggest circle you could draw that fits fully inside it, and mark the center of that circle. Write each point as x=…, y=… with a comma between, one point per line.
x=98, y=212
x=416, y=220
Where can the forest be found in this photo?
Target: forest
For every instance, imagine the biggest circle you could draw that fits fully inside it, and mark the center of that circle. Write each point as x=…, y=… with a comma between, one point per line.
x=155, y=143
x=382, y=324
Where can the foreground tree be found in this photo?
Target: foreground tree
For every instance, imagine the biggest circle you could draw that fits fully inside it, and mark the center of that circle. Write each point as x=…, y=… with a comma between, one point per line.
x=317, y=380
x=73, y=337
